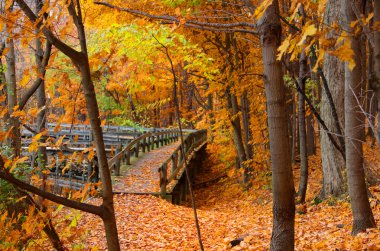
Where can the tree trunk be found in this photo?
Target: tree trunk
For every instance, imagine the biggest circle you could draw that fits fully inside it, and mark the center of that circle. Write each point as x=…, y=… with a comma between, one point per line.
x=376, y=70
x=310, y=135
x=282, y=179
x=15, y=140
x=237, y=132
x=354, y=131
x=41, y=96
x=80, y=59
x=246, y=122
x=94, y=116
x=294, y=127
x=333, y=165
x=371, y=104
x=302, y=130
x=3, y=82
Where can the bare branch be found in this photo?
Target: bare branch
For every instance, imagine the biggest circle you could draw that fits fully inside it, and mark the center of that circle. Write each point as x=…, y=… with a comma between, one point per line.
x=64, y=48
x=38, y=82
x=5, y=175
x=226, y=27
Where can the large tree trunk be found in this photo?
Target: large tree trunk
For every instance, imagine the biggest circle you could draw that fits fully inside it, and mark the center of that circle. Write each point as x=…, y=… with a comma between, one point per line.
x=333, y=165
x=282, y=178
x=371, y=104
x=302, y=130
x=376, y=71
x=354, y=131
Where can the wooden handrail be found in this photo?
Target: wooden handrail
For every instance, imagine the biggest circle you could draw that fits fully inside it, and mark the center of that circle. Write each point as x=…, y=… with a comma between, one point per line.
x=196, y=140
x=132, y=144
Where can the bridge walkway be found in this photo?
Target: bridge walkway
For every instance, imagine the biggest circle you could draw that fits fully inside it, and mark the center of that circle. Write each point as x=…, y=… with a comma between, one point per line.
x=142, y=175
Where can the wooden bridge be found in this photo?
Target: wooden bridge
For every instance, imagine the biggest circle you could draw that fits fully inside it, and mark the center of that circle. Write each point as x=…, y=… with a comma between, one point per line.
x=141, y=160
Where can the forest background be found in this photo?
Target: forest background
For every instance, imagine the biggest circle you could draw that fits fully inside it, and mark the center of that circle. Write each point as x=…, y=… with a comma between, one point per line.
x=291, y=83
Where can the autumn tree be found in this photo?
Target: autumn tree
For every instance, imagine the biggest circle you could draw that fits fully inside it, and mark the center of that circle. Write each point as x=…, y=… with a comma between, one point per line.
x=80, y=60
x=354, y=132
x=282, y=178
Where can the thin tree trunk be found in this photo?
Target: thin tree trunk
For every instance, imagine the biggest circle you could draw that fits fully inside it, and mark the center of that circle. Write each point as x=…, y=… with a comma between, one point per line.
x=376, y=69
x=302, y=130
x=80, y=59
x=237, y=132
x=294, y=127
x=246, y=121
x=354, y=120
x=3, y=83
x=310, y=135
x=282, y=178
x=94, y=116
x=15, y=140
x=41, y=96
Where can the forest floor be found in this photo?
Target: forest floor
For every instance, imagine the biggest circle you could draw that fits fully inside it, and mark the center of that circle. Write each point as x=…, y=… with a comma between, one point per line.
x=226, y=212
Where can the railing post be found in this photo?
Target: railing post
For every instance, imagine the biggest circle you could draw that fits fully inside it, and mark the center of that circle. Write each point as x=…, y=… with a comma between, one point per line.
x=148, y=144
x=137, y=146
x=174, y=162
x=152, y=142
x=128, y=157
x=163, y=179
x=118, y=161
x=144, y=145
x=89, y=171
x=180, y=153
x=186, y=145
x=158, y=141
x=70, y=177
x=56, y=166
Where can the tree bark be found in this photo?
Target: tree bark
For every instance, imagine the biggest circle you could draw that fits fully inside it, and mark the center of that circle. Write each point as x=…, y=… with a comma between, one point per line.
x=41, y=96
x=294, y=128
x=310, y=135
x=246, y=122
x=3, y=82
x=333, y=164
x=371, y=103
x=376, y=71
x=302, y=130
x=94, y=116
x=15, y=140
x=282, y=178
x=237, y=132
x=354, y=131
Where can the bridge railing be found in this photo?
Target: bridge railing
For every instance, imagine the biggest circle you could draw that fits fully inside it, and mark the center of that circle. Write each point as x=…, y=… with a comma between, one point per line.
x=77, y=137
x=173, y=166
x=145, y=142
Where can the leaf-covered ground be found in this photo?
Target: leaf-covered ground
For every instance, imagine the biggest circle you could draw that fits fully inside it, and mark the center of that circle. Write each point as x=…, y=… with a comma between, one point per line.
x=225, y=212
x=143, y=176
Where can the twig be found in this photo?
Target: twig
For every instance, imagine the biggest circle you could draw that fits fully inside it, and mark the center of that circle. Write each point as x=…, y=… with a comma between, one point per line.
x=316, y=114
x=5, y=175
x=166, y=19
x=182, y=143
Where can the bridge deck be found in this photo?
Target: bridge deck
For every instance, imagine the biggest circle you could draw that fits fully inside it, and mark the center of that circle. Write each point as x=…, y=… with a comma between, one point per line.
x=143, y=176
